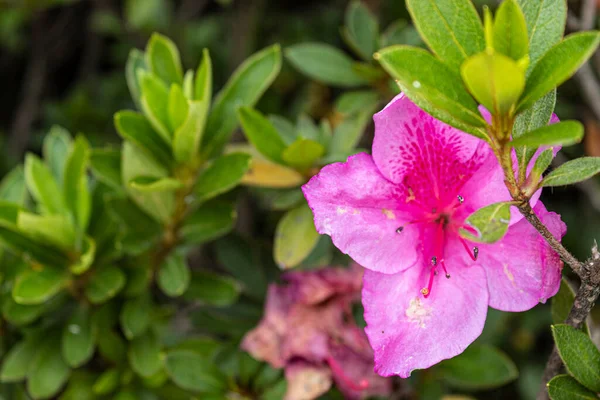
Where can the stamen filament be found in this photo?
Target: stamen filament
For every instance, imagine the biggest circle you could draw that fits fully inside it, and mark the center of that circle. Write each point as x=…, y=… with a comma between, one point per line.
x=475, y=252
x=338, y=371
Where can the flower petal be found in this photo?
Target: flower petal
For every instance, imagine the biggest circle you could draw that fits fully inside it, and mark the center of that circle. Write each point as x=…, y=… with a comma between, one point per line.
x=408, y=331
x=414, y=149
x=316, y=286
x=522, y=269
x=361, y=211
x=306, y=381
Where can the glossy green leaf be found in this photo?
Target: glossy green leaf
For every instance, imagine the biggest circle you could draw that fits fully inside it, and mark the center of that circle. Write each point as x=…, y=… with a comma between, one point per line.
x=451, y=28
x=52, y=229
x=262, y=134
x=105, y=283
x=244, y=88
x=564, y=387
x=135, y=128
x=106, y=166
x=580, y=355
x=135, y=316
x=19, y=314
x=356, y=101
x=557, y=65
x=573, y=171
x=155, y=104
x=12, y=186
x=49, y=372
x=285, y=128
x=78, y=338
x=541, y=164
x=222, y=175
x=38, y=286
x=495, y=80
x=17, y=362
x=433, y=87
x=75, y=188
x=545, y=25
x=192, y=372
x=361, y=30
x=56, y=149
x=488, y=224
x=324, y=63
x=510, y=30
x=562, y=302
x=564, y=133
x=349, y=132
x=212, y=289
x=465, y=370
x=112, y=346
x=295, y=237
x=108, y=382
x=210, y=221
x=144, y=355
x=203, y=86
x=163, y=59
x=303, y=153
x=136, y=61
x=17, y=241
x=79, y=387
x=188, y=84
x=42, y=186
x=188, y=136
x=174, y=275
x=147, y=184
x=178, y=107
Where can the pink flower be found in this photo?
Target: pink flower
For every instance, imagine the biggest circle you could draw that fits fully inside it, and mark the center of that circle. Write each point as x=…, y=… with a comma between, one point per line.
x=398, y=213
x=308, y=329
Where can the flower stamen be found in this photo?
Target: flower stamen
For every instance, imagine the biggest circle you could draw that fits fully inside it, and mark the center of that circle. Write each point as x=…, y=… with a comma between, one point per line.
x=339, y=373
x=473, y=253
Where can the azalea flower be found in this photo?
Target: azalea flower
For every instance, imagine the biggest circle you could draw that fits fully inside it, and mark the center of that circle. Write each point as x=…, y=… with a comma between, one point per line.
x=398, y=213
x=308, y=329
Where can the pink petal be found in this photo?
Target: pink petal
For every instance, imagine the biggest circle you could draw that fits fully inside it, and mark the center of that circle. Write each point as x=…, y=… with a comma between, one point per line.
x=522, y=269
x=306, y=381
x=414, y=149
x=408, y=331
x=313, y=287
x=361, y=210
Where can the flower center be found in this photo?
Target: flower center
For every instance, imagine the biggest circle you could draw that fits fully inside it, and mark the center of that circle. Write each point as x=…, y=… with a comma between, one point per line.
x=444, y=224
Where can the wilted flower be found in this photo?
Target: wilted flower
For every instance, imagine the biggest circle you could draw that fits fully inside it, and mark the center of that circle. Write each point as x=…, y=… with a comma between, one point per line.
x=308, y=329
x=398, y=213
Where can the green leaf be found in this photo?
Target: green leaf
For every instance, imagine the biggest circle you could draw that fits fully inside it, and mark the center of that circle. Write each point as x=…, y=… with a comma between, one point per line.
x=18, y=314
x=144, y=355
x=38, y=286
x=79, y=387
x=12, y=186
x=210, y=221
x=285, y=128
x=76, y=192
x=545, y=25
x=533, y=118
x=186, y=142
x=488, y=224
x=163, y=58
x=78, y=338
x=222, y=175
x=356, y=101
x=303, y=153
x=159, y=205
x=510, y=31
x=361, y=30
x=324, y=63
x=135, y=316
x=262, y=134
x=295, y=237
x=43, y=186
x=247, y=84
x=188, y=84
x=136, y=61
x=106, y=166
x=148, y=184
x=105, y=283
x=191, y=371
x=562, y=302
x=135, y=128
x=451, y=28
x=49, y=372
x=564, y=387
x=108, y=382
x=348, y=133
x=541, y=164
x=557, y=65
x=212, y=289
x=174, y=276
x=86, y=254
x=178, y=107
x=17, y=241
x=17, y=362
x=138, y=230
x=563, y=133
x=112, y=346
x=56, y=149
x=580, y=355
x=495, y=80
x=466, y=370
x=52, y=229
x=433, y=87
x=155, y=104
x=573, y=171
x=203, y=87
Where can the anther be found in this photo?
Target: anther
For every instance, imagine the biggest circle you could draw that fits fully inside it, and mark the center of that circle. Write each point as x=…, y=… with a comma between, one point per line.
x=400, y=229
x=447, y=275
x=434, y=261
x=460, y=199
x=425, y=292
x=475, y=252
